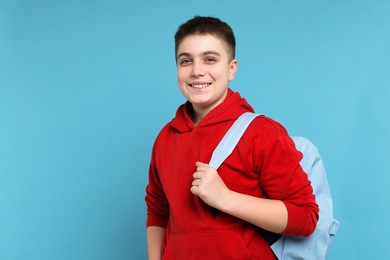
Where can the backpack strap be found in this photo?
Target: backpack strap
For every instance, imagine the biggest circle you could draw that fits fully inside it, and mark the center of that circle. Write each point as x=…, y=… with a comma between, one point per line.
x=231, y=138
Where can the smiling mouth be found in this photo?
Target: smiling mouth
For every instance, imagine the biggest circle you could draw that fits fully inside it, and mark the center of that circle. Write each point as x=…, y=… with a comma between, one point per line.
x=199, y=86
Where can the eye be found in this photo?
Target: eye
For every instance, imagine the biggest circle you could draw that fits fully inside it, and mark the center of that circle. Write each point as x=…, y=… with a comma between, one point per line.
x=210, y=59
x=185, y=62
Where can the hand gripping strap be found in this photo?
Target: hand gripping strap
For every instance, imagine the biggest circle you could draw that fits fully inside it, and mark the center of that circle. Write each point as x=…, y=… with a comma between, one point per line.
x=231, y=138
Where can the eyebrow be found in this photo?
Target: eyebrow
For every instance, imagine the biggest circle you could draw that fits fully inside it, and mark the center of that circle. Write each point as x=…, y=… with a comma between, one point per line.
x=186, y=54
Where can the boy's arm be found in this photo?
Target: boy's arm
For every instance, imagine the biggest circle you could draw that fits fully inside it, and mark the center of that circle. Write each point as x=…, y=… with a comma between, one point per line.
x=155, y=236
x=267, y=214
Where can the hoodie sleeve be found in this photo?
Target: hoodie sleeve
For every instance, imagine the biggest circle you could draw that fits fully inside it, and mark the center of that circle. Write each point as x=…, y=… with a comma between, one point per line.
x=282, y=178
x=156, y=201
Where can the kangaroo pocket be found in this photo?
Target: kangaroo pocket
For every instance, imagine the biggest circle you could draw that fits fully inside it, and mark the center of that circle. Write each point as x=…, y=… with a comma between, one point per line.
x=226, y=244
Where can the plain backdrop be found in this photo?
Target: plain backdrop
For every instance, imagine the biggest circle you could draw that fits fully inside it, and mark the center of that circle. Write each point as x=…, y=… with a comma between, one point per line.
x=85, y=87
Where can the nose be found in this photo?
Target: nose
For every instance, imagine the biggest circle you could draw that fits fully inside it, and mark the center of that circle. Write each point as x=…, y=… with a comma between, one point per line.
x=197, y=69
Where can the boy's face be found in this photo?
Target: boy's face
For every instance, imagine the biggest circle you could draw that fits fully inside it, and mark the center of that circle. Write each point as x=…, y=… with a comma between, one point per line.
x=204, y=70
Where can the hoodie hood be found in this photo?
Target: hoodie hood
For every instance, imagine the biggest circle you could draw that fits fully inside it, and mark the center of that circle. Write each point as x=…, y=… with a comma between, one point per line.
x=230, y=109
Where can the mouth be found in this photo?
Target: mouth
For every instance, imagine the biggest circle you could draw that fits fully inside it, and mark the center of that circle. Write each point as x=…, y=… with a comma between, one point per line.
x=200, y=86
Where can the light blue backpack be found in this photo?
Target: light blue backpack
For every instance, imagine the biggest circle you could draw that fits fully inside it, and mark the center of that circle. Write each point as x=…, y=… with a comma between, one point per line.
x=316, y=245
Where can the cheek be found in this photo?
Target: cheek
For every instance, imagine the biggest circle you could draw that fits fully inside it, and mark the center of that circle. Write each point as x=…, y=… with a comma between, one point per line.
x=220, y=74
x=181, y=75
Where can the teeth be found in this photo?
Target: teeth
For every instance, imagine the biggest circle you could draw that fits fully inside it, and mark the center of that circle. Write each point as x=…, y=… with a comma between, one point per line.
x=199, y=85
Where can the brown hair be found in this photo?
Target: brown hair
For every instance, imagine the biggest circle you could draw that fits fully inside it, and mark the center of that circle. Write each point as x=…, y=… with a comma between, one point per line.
x=207, y=25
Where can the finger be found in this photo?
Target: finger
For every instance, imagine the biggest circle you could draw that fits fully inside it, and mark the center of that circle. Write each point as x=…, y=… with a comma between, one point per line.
x=194, y=190
x=203, y=168
x=200, y=164
x=196, y=182
x=198, y=174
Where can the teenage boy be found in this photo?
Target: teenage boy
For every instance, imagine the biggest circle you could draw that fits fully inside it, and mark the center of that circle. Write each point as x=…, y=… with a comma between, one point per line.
x=195, y=212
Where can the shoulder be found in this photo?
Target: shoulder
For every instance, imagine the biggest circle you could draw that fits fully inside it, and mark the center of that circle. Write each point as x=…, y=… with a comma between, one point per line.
x=266, y=127
x=165, y=131
x=264, y=134
x=268, y=144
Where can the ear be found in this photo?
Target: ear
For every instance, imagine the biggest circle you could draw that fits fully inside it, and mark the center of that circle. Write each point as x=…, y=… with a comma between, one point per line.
x=232, y=69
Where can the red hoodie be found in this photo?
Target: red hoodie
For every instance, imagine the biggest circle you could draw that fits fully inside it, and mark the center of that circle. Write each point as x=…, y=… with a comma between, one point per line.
x=265, y=164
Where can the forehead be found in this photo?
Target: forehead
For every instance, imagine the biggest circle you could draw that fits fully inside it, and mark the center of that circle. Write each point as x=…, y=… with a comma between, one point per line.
x=201, y=43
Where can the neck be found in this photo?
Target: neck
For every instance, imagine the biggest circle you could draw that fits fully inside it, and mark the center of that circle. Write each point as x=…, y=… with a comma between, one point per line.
x=199, y=112
x=197, y=116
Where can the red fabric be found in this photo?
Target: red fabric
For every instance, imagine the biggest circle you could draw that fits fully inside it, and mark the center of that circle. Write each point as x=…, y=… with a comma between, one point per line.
x=265, y=164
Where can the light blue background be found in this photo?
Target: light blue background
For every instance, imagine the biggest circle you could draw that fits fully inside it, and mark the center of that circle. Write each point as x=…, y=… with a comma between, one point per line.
x=85, y=86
